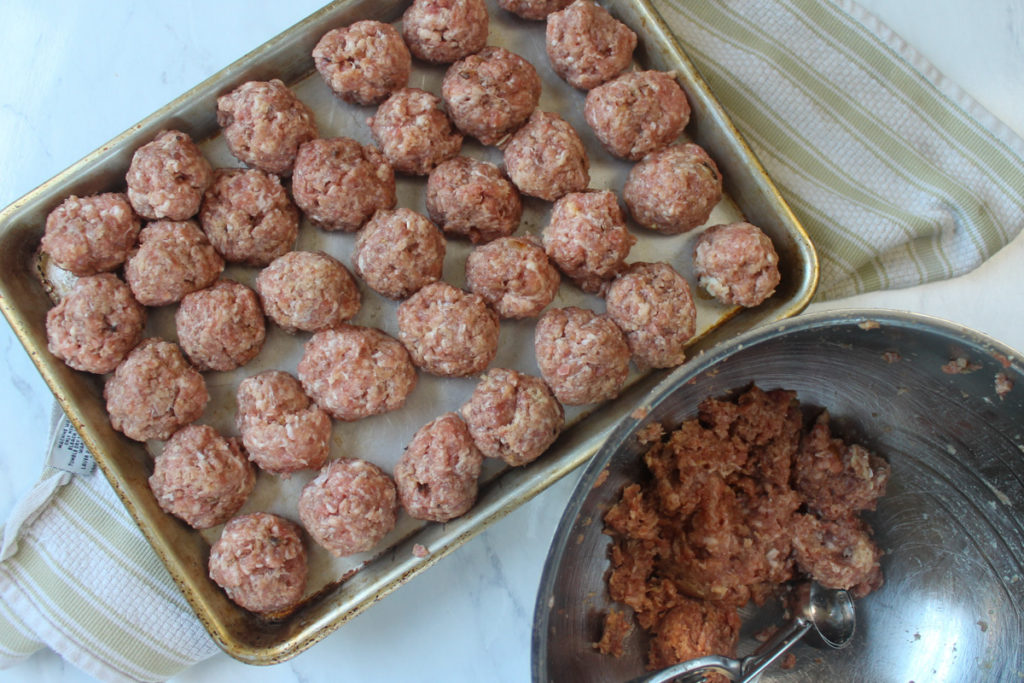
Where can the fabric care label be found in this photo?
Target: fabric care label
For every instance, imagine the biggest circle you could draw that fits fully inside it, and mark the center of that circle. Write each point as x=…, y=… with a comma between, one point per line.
x=67, y=450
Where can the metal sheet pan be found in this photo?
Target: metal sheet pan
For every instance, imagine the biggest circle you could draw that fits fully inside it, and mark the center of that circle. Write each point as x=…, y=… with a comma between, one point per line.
x=340, y=589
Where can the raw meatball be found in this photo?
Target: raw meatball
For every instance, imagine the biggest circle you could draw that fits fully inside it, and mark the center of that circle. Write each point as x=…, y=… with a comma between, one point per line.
x=546, y=158
x=537, y=10
x=414, y=132
x=583, y=356
x=308, y=291
x=339, y=183
x=220, y=327
x=260, y=562
x=363, y=63
x=154, y=392
x=437, y=475
x=736, y=264
x=694, y=628
x=353, y=372
x=474, y=199
x=443, y=31
x=173, y=259
x=513, y=416
x=513, y=275
x=89, y=235
x=491, y=93
x=652, y=304
x=673, y=190
x=448, y=332
x=95, y=326
x=201, y=477
x=349, y=507
x=249, y=216
x=587, y=45
x=637, y=113
x=587, y=238
x=838, y=554
x=167, y=177
x=398, y=252
x=282, y=430
x=264, y=124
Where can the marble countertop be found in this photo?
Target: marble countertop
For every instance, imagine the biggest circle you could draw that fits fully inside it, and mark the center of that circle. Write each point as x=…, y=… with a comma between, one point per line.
x=77, y=74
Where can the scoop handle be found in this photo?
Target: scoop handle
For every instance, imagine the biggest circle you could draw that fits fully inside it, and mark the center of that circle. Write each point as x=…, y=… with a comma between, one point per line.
x=691, y=669
x=785, y=638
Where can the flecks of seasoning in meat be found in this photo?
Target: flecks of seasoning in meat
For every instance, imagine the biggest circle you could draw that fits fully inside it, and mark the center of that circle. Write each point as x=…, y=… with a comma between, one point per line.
x=960, y=366
x=1004, y=385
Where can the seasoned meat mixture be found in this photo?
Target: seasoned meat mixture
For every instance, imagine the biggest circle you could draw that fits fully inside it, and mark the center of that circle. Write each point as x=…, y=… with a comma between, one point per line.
x=587, y=238
x=220, y=327
x=546, y=158
x=673, y=190
x=474, y=199
x=89, y=235
x=587, y=45
x=398, y=252
x=637, y=113
x=582, y=356
x=537, y=10
x=167, y=177
x=513, y=275
x=308, y=291
x=737, y=264
x=173, y=259
x=364, y=62
x=443, y=31
x=414, y=132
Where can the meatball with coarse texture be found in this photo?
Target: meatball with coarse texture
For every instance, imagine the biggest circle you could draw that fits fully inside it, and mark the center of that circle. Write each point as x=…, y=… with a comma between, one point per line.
x=89, y=235
x=546, y=158
x=413, y=131
x=437, y=475
x=349, y=507
x=513, y=275
x=173, y=259
x=583, y=356
x=587, y=238
x=838, y=554
x=637, y=113
x=398, y=252
x=220, y=327
x=443, y=31
x=673, y=190
x=691, y=629
x=537, y=10
x=364, y=62
x=474, y=199
x=167, y=177
x=308, y=291
x=737, y=264
x=96, y=325
x=260, y=562
x=587, y=45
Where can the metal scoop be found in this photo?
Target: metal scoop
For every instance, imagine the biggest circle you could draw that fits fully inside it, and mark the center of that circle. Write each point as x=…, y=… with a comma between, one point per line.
x=827, y=611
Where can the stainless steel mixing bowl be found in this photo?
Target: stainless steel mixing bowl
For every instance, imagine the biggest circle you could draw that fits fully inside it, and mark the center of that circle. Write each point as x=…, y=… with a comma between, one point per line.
x=951, y=523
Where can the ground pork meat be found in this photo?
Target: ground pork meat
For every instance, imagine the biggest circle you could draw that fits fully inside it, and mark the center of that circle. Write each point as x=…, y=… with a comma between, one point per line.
x=308, y=291
x=546, y=158
x=838, y=553
x=414, y=132
x=448, y=332
x=260, y=562
x=349, y=507
x=201, y=477
x=443, y=31
x=587, y=45
x=537, y=10
x=95, y=326
x=617, y=627
x=172, y=260
x=364, y=62
x=248, y=216
x=353, y=372
x=437, y=475
x=513, y=275
x=154, y=392
x=398, y=252
x=587, y=238
x=474, y=199
x=737, y=264
x=637, y=113
x=220, y=327
x=167, y=177
x=264, y=123
x=692, y=629
x=491, y=93
x=89, y=235
x=673, y=190
x=583, y=356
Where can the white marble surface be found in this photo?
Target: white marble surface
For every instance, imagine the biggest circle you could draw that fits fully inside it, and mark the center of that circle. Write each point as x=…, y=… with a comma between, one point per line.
x=77, y=74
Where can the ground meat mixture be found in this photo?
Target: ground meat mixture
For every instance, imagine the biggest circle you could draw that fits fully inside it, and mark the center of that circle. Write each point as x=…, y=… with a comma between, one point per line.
x=308, y=291
x=637, y=113
x=838, y=553
x=443, y=31
x=260, y=562
x=353, y=372
x=587, y=45
x=490, y=94
x=167, y=177
x=398, y=252
x=437, y=475
x=537, y=10
x=220, y=327
x=617, y=627
x=339, y=183
x=737, y=264
x=282, y=429
x=449, y=332
x=364, y=62
x=653, y=305
x=546, y=158
x=583, y=356
x=513, y=416
x=673, y=190
x=89, y=235
x=201, y=477
x=173, y=259
x=474, y=199
x=513, y=275
x=587, y=238
x=414, y=132
x=349, y=507
x=248, y=216
x=692, y=629
x=95, y=326
x=264, y=123
x=154, y=392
